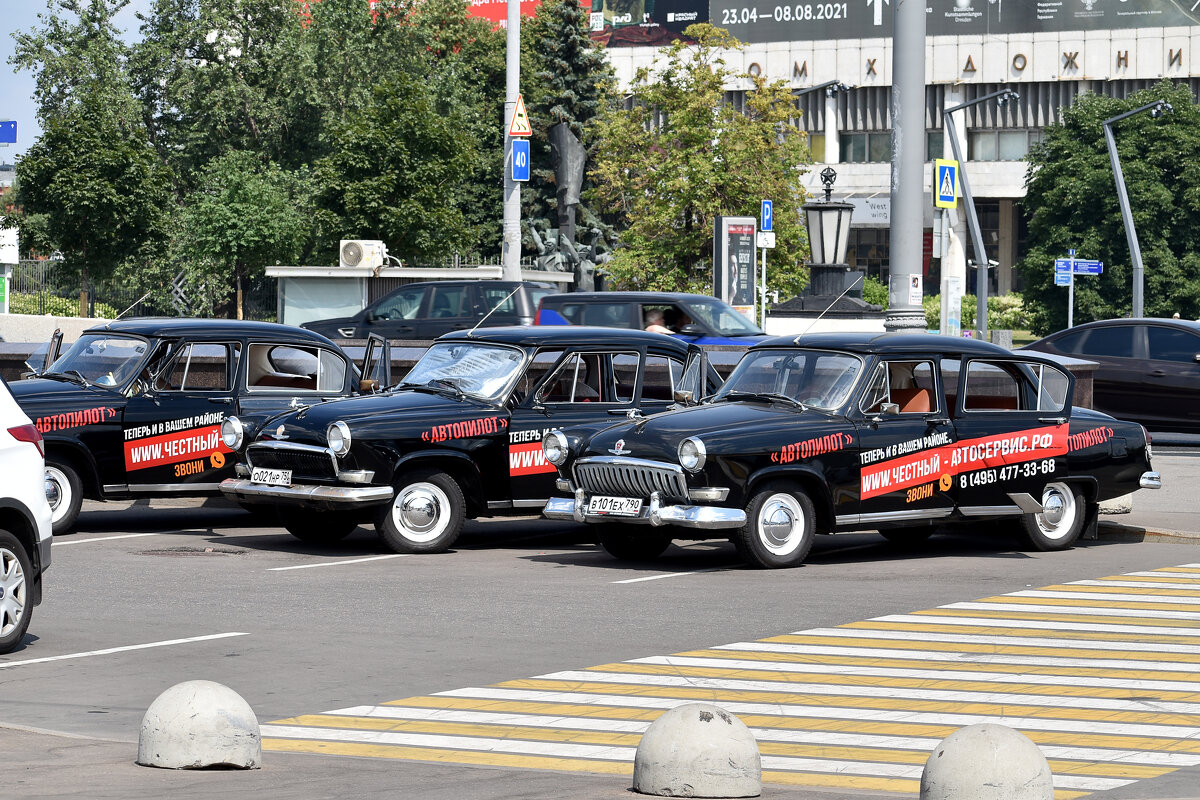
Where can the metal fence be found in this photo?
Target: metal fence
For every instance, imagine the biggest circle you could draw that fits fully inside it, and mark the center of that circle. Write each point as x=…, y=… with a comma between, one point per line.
x=47, y=287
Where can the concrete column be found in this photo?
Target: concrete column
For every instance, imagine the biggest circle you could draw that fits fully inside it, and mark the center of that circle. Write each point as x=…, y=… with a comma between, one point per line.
x=833, y=144
x=908, y=164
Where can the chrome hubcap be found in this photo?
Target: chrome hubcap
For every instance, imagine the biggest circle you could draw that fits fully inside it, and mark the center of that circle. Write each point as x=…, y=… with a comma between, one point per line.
x=1053, y=508
x=781, y=524
x=421, y=511
x=778, y=523
x=53, y=495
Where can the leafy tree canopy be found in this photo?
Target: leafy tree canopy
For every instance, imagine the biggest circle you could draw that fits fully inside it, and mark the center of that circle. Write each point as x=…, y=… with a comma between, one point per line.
x=1070, y=188
x=682, y=156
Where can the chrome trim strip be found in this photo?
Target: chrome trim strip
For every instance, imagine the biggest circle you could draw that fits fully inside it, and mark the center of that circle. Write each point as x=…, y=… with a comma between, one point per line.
x=989, y=511
x=709, y=494
x=173, y=487
x=356, y=475
x=892, y=516
x=710, y=517
x=1150, y=480
x=528, y=503
x=240, y=489
x=498, y=504
x=115, y=488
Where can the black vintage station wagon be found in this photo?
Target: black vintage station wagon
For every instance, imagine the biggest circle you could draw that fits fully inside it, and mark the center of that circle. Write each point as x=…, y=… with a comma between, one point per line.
x=844, y=432
x=460, y=436
x=134, y=407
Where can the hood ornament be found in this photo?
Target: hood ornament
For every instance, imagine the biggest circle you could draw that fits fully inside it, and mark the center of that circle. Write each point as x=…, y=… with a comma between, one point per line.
x=618, y=449
x=279, y=434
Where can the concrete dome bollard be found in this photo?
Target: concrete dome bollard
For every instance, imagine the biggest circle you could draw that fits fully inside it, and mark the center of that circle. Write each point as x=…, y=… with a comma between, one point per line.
x=987, y=762
x=198, y=724
x=698, y=750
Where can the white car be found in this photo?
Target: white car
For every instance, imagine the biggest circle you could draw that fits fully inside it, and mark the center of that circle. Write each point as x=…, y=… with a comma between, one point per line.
x=24, y=520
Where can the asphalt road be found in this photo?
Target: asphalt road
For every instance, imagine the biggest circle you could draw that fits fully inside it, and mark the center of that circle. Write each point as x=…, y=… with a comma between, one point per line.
x=143, y=597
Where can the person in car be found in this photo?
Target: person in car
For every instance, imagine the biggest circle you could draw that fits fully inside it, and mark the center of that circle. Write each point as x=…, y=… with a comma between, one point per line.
x=655, y=323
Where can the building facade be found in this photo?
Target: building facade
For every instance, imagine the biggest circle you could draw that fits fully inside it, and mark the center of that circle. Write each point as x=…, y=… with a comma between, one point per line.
x=1048, y=51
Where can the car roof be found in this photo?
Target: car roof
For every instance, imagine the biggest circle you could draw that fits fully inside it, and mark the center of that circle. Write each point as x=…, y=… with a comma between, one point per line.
x=208, y=328
x=477, y=282
x=627, y=297
x=886, y=343
x=567, y=336
x=1185, y=324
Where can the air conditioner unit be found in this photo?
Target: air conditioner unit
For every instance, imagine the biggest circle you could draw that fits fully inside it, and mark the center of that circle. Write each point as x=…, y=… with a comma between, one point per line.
x=370, y=253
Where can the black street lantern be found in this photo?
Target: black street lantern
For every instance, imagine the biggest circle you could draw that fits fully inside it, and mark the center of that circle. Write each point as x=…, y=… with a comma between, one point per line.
x=828, y=236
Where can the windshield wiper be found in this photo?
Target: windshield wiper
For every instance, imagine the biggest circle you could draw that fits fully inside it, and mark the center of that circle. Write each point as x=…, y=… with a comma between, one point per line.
x=72, y=375
x=447, y=390
x=768, y=396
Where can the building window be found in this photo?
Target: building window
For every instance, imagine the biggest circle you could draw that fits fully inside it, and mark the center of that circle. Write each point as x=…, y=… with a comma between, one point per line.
x=861, y=148
x=1001, y=145
x=870, y=250
x=935, y=145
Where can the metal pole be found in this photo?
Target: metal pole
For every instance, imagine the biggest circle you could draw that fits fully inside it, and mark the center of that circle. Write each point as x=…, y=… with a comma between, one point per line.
x=1071, y=297
x=908, y=159
x=510, y=269
x=762, y=291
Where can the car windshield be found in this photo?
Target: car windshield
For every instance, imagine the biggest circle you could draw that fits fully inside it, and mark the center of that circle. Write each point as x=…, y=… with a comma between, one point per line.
x=817, y=378
x=723, y=318
x=102, y=359
x=482, y=371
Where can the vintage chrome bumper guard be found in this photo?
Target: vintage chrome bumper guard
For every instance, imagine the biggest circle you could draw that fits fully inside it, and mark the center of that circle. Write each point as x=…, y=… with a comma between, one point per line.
x=1150, y=480
x=655, y=514
x=242, y=489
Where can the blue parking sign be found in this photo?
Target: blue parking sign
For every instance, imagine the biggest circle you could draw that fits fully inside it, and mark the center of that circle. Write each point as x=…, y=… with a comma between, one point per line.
x=768, y=216
x=520, y=159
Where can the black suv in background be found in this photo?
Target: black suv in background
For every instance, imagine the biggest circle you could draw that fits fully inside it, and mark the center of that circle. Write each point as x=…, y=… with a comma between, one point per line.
x=694, y=318
x=428, y=309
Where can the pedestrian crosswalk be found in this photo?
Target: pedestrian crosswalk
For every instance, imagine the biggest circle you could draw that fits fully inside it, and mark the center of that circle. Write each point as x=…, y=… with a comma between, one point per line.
x=1104, y=675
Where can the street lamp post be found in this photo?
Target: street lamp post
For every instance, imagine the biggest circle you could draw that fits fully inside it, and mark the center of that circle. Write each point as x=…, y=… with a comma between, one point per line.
x=981, y=278
x=1156, y=109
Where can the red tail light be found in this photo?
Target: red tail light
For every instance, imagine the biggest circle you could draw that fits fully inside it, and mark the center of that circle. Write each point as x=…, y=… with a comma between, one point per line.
x=28, y=433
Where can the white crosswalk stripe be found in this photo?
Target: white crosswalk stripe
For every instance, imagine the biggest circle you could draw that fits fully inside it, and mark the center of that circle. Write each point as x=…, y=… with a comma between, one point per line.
x=1103, y=674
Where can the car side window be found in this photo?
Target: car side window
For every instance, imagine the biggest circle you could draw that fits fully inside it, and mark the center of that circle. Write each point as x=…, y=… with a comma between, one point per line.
x=450, y=301
x=662, y=375
x=909, y=385
x=541, y=363
x=196, y=367
x=1115, y=341
x=1171, y=344
x=1070, y=342
x=607, y=315
x=402, y=304
x=272, y=367
x=991, y=386
x=331, y=375
x=589, y=378
x=502, y=299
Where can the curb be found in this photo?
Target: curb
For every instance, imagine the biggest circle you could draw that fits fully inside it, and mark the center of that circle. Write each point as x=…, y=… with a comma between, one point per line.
x=1120, y=532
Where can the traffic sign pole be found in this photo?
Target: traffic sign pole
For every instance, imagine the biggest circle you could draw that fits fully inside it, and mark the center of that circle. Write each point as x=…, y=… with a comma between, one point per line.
x=1071, y=295
x=767, y=223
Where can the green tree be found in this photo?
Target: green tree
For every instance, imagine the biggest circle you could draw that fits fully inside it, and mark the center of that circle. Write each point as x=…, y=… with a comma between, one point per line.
x=682, y=156
x=1074, y=204
x=394, y=173
x=91, y=186
x=571, y=82
x=242, y=216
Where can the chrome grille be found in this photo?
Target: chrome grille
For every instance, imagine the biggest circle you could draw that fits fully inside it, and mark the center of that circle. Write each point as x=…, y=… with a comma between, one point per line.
x=630, y=477
x=304, y=460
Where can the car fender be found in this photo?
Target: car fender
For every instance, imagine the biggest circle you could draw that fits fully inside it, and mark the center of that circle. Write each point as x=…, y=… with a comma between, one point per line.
x=459, y=464
x=17, y=519
x=809, y=478
x=82, y=457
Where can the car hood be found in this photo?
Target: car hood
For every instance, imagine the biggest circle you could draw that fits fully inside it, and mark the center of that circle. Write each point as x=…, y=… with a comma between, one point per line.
x=400, y=414
x=735, y=427
x=47, y=394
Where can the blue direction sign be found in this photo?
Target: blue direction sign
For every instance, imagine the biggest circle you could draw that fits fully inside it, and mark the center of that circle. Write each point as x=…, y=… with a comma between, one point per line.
x=768, y=216
x=1062, y=279
x=520, y=159
x=1082, y=266
x=8, y=131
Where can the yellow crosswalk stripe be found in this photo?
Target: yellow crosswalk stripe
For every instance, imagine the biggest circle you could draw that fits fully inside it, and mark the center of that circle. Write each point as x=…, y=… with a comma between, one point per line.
x=1094, y=672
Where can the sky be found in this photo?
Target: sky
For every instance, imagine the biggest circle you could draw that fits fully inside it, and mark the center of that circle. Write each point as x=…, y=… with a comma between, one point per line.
x=16, y=89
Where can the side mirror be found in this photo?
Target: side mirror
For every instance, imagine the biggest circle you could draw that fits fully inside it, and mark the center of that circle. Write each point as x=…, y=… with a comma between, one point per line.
x=1196, y=358
x=692, y=329
x=889, y=409
x=369, y=316
x=684, y=397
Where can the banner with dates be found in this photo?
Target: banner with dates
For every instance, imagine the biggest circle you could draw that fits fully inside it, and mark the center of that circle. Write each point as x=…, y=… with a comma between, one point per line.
x=780, y=21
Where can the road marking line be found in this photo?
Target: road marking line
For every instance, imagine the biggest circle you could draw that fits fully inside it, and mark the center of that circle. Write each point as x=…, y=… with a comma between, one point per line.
x=1105, y=611
x=1004, y=641
x=1152, y=598
x=57, y=543
x=126, y=648
x=673, y=575
x=338, y=563
x=1089, y=619
x=1101, y=632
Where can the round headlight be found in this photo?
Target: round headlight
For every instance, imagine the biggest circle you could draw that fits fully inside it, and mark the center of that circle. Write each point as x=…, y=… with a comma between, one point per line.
x=554, y=446
x=337, y=436
x=692, y=454
x=233, y=433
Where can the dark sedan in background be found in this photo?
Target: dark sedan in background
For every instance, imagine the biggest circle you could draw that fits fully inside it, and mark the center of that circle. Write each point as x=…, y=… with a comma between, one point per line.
x=1149, y=369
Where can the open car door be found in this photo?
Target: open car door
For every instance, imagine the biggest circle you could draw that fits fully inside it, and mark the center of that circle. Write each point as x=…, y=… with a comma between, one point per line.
x=376, y=365
x=695, y=383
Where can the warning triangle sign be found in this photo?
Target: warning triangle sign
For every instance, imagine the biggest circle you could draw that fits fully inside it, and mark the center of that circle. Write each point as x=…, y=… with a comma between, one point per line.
x=947, y=188
x=519, y=124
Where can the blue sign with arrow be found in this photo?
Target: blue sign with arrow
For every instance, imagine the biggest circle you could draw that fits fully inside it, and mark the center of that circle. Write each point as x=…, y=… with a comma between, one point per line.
x=8, y=131
x=1080, y=266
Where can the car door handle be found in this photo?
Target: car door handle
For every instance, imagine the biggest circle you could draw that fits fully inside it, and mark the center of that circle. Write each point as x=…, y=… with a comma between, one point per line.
x=1052, y=420
x=222, y=400
x=938, y=420
x=1158, y=373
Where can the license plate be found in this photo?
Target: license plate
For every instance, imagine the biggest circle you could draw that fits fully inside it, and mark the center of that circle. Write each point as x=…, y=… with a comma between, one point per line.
x=615, y=506
x=271, y=477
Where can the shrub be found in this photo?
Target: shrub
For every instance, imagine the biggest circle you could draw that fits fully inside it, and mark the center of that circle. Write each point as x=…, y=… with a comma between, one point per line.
x=54, y=305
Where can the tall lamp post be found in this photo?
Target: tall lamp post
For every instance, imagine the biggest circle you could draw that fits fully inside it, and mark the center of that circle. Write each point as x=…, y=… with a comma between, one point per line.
x=981, y=260
x=828, y=236
x=1156, y=109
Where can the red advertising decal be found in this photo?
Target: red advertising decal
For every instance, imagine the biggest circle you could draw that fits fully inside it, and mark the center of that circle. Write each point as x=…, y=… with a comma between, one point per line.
x=173, y=447
x=1089, y=438
x=965, y=456
x=462, y=430
x=528, y=459
x=74, y=419
x=810, y=448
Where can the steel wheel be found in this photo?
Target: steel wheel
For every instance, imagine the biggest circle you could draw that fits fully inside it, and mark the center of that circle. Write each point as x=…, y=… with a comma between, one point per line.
x=1060, y=522
x=15, y=610
x=64, y=493
x=425, y=516
x=779, y=529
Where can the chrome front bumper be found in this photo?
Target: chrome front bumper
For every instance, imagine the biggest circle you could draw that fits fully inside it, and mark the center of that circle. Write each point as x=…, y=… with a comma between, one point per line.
x=244, y=490
x=655, y=513
x=1150, y=480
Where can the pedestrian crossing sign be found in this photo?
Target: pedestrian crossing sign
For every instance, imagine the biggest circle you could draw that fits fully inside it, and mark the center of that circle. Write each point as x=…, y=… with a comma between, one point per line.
x=945, y=183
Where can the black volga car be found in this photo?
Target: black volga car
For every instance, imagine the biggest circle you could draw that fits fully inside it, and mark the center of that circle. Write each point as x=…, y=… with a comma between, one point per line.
x=844, y=432
x=460, y=436
x=133, y=408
